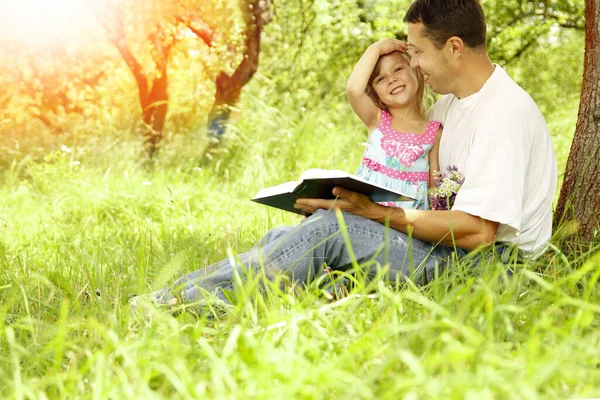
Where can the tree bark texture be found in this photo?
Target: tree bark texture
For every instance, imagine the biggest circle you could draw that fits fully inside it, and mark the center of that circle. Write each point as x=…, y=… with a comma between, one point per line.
x=580, y=194
x=229, y=87
x=155, y=107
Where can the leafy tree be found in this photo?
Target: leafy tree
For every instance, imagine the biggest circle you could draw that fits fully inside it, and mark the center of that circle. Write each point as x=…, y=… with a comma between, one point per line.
x=256, y=14
x=146, y=33
x=51, y=92
x=306, y=52
x=551, y=71
x=516, y=26
x=580, y=194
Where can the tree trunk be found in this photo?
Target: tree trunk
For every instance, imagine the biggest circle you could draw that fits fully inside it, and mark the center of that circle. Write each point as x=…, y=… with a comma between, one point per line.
x=229, y=88
x=580, y=194
x=155, y=107
x=152, y=94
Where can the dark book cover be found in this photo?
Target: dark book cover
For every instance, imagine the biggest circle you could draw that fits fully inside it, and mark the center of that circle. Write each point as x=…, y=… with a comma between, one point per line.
x=318, y=184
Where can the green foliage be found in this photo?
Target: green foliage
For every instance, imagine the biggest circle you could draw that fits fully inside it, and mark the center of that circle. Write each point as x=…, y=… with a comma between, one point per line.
x=318, y=59
x=515, y=27
x=304, y=63
x=55, y=86
x=69, y=81
x=552, y=73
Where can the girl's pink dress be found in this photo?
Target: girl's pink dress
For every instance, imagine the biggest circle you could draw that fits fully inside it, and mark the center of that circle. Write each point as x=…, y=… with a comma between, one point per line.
x=399, y=161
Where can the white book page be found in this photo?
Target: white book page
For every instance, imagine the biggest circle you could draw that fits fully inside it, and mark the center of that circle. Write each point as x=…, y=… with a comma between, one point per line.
x=287, y=187
x=316, y=173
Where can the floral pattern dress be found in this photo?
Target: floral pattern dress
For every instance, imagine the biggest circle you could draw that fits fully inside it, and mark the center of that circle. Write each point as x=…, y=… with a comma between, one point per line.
x=399, y=161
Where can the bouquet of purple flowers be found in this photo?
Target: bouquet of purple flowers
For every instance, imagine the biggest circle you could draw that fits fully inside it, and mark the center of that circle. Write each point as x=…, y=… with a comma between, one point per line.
x=446, y=186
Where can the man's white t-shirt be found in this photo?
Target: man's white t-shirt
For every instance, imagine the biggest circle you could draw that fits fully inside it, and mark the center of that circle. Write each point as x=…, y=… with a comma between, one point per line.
x=499, y=141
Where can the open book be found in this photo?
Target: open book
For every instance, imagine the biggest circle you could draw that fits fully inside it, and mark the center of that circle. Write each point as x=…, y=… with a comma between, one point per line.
x=318, y=184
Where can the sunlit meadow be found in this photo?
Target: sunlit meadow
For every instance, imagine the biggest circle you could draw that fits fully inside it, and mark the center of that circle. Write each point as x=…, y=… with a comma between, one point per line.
x=86, y=223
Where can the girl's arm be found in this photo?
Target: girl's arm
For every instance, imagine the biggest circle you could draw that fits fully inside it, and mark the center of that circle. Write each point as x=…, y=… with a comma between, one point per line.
x=434, y=161
x=362, y=104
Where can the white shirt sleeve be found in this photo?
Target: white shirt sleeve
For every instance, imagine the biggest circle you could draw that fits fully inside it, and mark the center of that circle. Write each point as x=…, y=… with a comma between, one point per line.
x=494, y=180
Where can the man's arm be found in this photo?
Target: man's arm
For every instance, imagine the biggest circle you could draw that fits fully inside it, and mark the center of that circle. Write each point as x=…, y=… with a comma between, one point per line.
x=450, y=228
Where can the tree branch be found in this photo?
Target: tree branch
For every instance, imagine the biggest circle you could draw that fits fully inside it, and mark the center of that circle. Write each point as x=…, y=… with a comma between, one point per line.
x=115, y=32
x=562, y=19
x=522, y=50
x=199, y=28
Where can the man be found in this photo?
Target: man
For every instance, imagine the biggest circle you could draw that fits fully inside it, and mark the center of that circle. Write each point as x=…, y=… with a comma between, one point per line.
x=493, y=132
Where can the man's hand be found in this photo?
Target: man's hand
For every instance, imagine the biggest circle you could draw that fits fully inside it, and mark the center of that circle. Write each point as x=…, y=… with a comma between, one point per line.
x=352, y=202
x=450, y=228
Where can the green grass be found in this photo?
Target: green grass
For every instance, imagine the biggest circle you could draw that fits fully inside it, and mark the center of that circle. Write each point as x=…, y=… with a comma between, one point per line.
x=93, y=217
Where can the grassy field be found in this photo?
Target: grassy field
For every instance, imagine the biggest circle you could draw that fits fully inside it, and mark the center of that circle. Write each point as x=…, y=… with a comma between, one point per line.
x=85, y=224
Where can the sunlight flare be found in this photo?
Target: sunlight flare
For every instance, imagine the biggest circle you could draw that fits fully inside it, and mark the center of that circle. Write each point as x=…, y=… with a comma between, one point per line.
x=42, y=22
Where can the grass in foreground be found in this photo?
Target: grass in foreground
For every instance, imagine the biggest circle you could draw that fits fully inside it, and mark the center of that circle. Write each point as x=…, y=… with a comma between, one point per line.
x=467, y=334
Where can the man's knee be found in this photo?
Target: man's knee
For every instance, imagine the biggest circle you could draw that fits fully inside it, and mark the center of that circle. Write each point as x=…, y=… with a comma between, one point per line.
x=274, y=234
x=322, y=223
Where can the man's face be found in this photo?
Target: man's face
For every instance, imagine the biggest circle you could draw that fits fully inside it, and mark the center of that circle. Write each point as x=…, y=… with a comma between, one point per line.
x=432, y=61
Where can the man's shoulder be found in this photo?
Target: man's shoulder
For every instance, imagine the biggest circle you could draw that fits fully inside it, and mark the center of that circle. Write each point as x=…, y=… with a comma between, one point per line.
x=509, y=111
x=508, y=96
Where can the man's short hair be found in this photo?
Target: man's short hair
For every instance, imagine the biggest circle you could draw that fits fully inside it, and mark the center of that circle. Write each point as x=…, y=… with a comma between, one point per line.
x=443, y=19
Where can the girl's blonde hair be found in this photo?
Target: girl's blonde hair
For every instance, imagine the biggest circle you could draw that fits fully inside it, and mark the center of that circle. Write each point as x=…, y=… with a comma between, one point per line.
x=420, y=95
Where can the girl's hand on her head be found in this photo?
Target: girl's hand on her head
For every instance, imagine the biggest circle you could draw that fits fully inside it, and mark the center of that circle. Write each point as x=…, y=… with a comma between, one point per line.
x=387, y=46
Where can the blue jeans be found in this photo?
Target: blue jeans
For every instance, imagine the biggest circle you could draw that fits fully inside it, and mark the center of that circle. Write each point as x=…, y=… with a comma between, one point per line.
x=301, y=251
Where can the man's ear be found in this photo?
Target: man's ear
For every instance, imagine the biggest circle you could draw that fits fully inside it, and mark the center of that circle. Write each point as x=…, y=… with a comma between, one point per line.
x=455, y=46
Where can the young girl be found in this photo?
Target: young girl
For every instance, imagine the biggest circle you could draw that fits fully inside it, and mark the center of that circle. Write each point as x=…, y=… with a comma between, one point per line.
x=388, y=96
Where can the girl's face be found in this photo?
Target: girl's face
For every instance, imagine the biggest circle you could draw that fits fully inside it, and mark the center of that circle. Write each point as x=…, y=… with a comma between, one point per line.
x=396, y=83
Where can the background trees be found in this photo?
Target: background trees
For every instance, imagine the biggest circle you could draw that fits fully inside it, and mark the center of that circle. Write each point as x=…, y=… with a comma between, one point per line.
x=217, y=45
x=177, y=68
x=256, y=14
x=48, y=78
x=145, y=34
